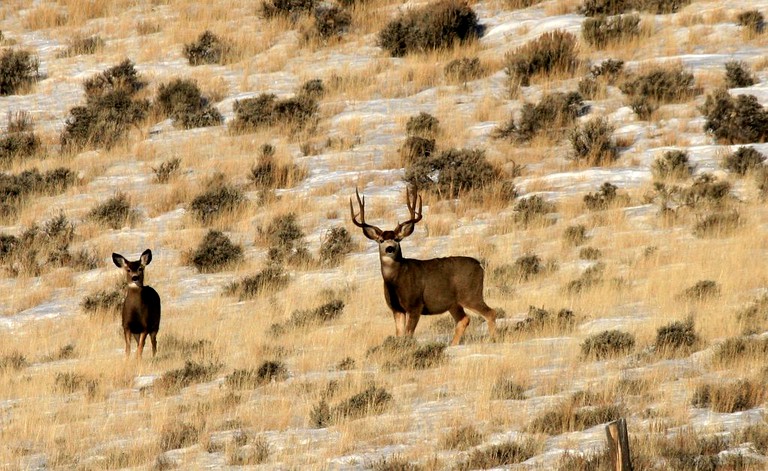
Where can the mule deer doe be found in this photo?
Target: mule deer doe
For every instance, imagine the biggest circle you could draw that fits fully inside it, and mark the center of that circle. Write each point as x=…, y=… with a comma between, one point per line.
x=141, y=308
x=415, y=287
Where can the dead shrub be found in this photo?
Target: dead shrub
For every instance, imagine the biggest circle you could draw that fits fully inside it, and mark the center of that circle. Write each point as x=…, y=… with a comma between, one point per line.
x=336, y=244
x=167, y=170
x=177, y=434
x=541, y=319
x=701, y=290
x=463, y=70
x=507, y=390
x=83, y=46
x=422, y=125
x=717, y=224
x=291, y=9
x=331, y=21
x=397, y=353
x=575, y=235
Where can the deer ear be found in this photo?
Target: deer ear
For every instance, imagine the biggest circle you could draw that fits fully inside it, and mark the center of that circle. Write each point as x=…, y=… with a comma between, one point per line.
x=373, y=233
x=119, y=260
x=404, y=231
x=146, y=257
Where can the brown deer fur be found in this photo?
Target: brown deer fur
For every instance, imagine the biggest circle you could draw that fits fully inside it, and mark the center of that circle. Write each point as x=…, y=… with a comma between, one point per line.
x=141, y=308
x=422, y=287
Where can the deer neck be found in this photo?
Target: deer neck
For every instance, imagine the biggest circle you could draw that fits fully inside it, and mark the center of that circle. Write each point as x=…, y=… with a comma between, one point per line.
x=390, y=266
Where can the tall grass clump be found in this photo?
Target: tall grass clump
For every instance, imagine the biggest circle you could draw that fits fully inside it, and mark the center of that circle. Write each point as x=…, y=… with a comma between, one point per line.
x=19, y=70
x=435, y=26
x=752, y=20
x=551, y=53
x=616, y=7
x=111, y=108
x=271, y=279
x=83, y=46
x=601, y=31
x=184, y=103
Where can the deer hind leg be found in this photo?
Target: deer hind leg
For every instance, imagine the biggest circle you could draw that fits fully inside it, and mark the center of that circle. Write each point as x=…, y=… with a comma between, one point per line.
x=142, y=340
x=462, y=321
x=153, y=338
x=127, y=335
x=399, y=323
x=490, y=317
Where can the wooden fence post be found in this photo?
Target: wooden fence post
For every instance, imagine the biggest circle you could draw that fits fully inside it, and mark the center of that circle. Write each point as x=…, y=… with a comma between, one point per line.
x=618, y=445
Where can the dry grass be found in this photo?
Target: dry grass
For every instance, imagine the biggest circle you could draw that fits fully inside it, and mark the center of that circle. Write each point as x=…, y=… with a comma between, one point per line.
x=62, y=376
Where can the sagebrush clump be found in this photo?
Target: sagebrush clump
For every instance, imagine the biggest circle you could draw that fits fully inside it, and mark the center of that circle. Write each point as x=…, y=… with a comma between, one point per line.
x=19, y=69
x=184, y=103
x=743, y=160
x=452, y=172
x=592, y=142
x=603, y=30
x=219, y=200
x=550, y=116
x=737, y=75
x=115, y=212
x=208, y=49
x=673, y=164
x=607, y=344
x=739, y=120
x=267, y=110
x=434, y=26
x=553, y=52
x=658, y=86
x=215, y=253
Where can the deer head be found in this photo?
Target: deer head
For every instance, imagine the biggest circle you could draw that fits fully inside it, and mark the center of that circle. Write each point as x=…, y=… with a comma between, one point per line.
x=389, y=241
x=134, y=271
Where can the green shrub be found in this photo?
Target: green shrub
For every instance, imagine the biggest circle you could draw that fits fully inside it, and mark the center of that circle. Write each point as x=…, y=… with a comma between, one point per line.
x=114, y=213
x=738, y=75
x=554, y=112
x=753, y=20
x=552, y=52
x=215, y=252
x=603, y=30
x=266, y=110
x=19, y=69
x=208, y=49
x=83, y=46
x=743, y=160
x=336, y=244
x=607, y=344
x=271, y=278
x=435, y=26
x=182, y=101
x=739, y=120
x=463, y=70
x=219, y=200
x=673, y=164
x=19, y=141
x=592, y=142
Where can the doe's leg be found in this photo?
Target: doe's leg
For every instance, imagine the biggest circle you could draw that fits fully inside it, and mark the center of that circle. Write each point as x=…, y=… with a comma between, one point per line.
x=462, y=321
x=153, y=338
x=140, y=349
x=399, y=323
x=411, y=320
x=127, y=335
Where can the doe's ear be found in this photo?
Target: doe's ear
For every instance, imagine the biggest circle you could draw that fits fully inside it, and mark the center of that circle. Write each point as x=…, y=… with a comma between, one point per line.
x=119, y=260
x=146, y=257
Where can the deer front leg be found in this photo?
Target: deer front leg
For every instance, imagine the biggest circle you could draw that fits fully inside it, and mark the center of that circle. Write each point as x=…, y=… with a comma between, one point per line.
x=153, y=338
x=399, y=323
x=127, y=334
x=411, y=319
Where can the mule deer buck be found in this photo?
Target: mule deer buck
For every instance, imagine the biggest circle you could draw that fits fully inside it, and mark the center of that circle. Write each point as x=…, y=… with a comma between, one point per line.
x=141, y=308
x=415, y=287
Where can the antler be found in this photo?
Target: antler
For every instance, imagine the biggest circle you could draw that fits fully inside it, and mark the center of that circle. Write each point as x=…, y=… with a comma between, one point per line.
x=366, y=227
x=410, y=200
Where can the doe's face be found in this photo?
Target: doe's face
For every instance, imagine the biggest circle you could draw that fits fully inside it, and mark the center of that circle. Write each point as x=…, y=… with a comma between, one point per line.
x=134, y=273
